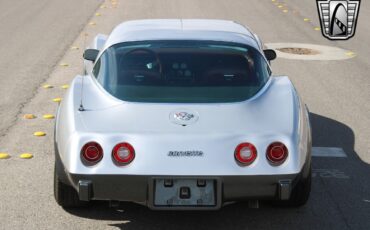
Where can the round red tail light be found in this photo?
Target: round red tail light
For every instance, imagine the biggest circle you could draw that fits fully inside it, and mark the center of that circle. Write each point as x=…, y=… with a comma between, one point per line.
x=92, y=153
x=245, y=153
x=123, y=153
x=276, y=153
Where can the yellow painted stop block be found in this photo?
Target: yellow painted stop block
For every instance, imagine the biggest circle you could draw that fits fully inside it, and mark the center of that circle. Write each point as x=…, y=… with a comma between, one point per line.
x=350, y=54
x=26, y=156
x=39, y=134
x=47, y=86
x=48, y=116
x=29, y=116
x=58, y=99
x=4, y=156
x=65, y=86
x=64, y=64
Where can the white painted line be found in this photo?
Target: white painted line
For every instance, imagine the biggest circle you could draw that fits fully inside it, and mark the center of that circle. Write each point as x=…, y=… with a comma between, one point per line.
x=329, y=173
x=328, y=152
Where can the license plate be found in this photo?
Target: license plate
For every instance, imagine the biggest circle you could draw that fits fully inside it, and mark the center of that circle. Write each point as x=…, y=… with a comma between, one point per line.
x=184, y=192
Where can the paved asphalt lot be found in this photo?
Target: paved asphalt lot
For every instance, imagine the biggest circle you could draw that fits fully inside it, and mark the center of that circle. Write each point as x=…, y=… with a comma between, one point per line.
x=41, y=43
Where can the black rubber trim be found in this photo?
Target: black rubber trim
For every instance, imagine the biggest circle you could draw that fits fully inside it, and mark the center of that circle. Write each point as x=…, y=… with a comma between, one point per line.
x=59, y=167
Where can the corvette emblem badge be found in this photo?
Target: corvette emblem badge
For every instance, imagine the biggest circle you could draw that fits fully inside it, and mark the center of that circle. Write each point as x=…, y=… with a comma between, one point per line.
x=338, y=19
x=184, y=117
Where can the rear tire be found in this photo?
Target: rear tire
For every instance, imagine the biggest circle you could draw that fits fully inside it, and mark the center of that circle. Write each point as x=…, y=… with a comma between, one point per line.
x=65, y=195
x=300, y=194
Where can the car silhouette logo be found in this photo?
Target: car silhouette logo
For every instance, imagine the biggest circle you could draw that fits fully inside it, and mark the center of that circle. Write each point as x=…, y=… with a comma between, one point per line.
x=338, y=18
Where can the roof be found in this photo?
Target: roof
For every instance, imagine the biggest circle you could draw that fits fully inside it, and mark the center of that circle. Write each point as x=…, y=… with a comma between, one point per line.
x=180, y=29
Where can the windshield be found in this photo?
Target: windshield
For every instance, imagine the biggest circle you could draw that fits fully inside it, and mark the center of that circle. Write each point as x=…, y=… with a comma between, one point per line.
x=181, y=71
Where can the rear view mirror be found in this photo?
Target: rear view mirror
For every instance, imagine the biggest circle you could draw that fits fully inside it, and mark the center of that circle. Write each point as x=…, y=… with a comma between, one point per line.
x=269, y=54
x=91, y=54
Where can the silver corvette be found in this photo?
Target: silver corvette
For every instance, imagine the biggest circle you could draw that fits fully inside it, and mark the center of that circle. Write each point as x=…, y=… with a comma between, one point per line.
x=181, y=114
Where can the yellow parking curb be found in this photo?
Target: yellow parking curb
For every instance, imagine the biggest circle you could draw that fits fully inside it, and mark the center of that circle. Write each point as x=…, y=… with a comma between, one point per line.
x=47, y=86
x=65, y=86
x=58, y=99
x=39, y=134
x=350, y=54
x=26, y=156
x=48, y=116
x=4, y=156
x=29, y=116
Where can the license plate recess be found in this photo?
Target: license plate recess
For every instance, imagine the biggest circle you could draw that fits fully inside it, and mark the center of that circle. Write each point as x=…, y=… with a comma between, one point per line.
x=169, y=192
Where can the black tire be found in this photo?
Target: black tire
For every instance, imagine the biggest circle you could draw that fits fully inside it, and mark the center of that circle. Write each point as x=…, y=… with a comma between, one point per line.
x=300, y=194
x=65, y=195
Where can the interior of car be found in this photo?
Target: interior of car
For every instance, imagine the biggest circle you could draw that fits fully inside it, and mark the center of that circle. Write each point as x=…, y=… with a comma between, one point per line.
x=184, y=68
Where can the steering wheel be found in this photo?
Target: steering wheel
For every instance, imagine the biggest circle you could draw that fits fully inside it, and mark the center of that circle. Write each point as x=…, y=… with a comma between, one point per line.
x=149, y=51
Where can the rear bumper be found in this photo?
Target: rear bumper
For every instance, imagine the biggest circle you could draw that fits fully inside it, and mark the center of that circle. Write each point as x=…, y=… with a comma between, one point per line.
x=140, y=189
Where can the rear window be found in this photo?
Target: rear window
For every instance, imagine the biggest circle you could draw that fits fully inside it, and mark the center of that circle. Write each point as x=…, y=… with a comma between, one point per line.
x=181, y=71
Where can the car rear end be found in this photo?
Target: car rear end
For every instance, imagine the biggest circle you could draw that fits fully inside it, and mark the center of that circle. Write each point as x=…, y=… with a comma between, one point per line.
x=179, y=135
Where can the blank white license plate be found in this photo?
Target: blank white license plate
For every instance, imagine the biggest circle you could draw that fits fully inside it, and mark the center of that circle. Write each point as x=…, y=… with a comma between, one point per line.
x=184, y=192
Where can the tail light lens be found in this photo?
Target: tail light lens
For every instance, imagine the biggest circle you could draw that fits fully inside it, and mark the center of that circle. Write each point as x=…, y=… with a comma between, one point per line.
x=277, y=153
x=245, y=153
x=91, y=153
x=123, y=153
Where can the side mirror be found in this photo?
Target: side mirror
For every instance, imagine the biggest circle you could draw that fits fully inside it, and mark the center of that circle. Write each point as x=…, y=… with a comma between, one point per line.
x=91, y=54
x=269, y=54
